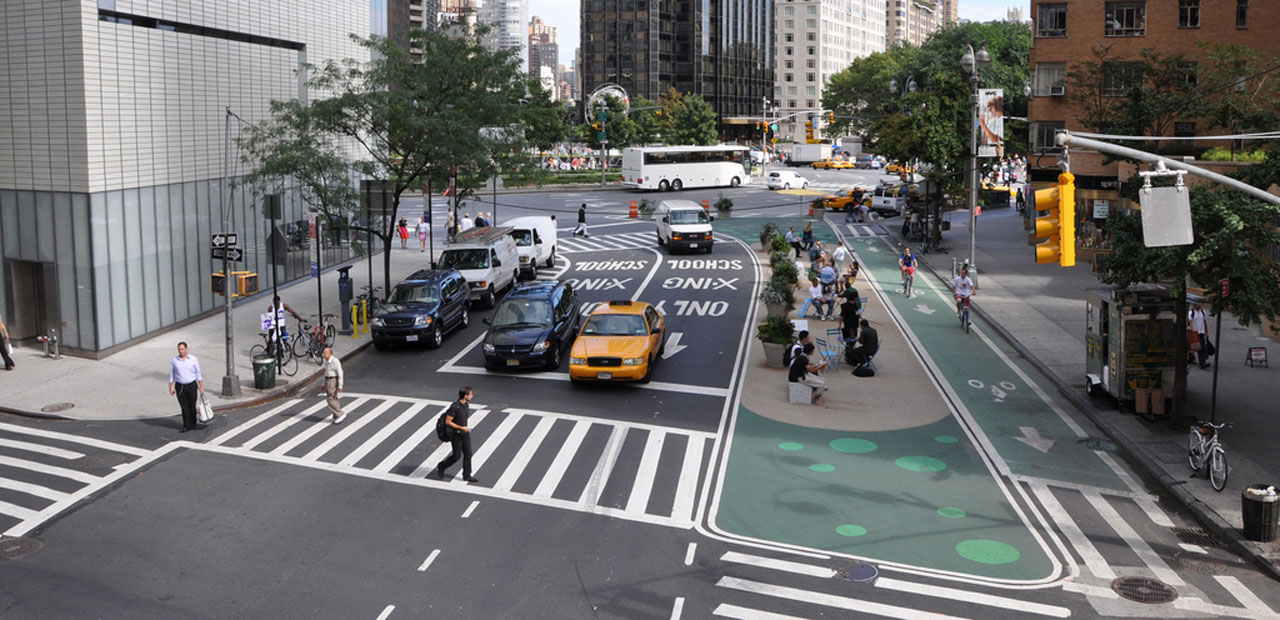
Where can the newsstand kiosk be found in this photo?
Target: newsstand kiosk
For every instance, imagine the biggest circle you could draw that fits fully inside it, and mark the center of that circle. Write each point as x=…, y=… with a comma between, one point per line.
x=1131, y=346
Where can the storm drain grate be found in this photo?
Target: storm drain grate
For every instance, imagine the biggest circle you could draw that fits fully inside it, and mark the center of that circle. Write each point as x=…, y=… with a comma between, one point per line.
x=1196, y=536
x=1144, y=590
x=57, y=407
x=857, y=572
x=14, y=548
x=99, y=460
x=1093, y=443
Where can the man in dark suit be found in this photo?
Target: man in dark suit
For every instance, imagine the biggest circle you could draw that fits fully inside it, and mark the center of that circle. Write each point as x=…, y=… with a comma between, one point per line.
x=456, y=419
x=866, y=346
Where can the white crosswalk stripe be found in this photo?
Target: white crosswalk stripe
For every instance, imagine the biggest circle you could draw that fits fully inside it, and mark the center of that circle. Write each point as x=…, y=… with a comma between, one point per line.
x=555, y=459
x=39, y=473
x=618, y=241
x=865, y=230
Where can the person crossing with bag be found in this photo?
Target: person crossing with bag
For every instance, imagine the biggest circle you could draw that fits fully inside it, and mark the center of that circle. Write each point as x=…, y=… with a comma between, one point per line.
x=186, y=382
x=460, y=440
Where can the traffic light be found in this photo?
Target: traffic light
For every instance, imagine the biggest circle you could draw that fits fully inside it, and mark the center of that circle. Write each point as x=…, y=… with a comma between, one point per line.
x=831, y=117
x=597, y=126
x=1058, y=225
x=808, y=130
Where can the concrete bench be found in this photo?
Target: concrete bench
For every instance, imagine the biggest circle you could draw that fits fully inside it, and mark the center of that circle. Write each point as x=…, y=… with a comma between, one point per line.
x=799, y=393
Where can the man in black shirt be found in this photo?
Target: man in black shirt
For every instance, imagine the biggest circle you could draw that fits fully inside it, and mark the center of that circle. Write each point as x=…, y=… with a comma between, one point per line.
x=456, y=419
x=803, y=371
x=796, y=347
x=867, y=345
x=849, y=317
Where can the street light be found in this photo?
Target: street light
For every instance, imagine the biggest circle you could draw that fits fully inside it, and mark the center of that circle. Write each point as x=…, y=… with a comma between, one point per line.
x=973, y=64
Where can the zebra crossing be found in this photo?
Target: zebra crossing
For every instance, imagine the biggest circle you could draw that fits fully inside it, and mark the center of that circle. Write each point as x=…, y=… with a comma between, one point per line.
x=618, y=241
x=865, y=230
x=44, y=472
x=629, y=470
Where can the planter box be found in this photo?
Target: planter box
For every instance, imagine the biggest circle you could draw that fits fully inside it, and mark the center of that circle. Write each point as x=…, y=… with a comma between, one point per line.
x=773, y=354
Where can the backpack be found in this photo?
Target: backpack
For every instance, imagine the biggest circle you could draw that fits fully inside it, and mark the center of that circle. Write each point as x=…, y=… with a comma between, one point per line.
x=786, y=355
x=864, y=371
x=443, y=431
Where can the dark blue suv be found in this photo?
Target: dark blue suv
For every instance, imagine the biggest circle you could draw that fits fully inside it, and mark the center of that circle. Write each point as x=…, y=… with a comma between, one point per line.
x=531, y=326
x=422, y=308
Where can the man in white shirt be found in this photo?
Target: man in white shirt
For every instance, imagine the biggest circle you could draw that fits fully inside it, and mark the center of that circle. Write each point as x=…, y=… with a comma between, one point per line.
x=1197, y=324
x=467, y=223
x=963, y=288
x=819, y=300
x=333, y=384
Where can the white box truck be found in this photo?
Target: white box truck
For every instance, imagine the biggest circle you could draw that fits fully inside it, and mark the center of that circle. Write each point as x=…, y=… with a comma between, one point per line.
x=805, y=154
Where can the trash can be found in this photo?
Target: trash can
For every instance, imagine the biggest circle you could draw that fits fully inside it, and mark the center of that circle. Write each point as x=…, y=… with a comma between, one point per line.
x=1260, y=507
x=264, y=372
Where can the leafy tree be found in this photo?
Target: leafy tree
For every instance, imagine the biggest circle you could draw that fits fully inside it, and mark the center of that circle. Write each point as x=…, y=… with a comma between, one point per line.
x=620, y=130
x=687, y=118
x=860, y=94
x=459, y=107
x=647, y=123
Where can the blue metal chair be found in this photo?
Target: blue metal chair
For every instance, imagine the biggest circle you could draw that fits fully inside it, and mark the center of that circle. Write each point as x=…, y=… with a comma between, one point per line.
x=831, y=357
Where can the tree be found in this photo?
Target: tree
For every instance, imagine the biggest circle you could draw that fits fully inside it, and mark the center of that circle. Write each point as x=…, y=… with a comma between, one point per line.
x=405, y=120
x=687, y=118
x=860, y=94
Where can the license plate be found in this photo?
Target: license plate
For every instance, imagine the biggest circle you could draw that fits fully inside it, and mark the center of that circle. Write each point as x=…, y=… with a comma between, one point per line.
x=604, y=375
x=513, y=362
x=693, y=245
x=410, y=338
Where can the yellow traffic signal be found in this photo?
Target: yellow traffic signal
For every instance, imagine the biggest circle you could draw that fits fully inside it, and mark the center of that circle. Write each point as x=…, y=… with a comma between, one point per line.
x=808, y=130
x=1058, y=225
x=831, y=117
x=597, y=126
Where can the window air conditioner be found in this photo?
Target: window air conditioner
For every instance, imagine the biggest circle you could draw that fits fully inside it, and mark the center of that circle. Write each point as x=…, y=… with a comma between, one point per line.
x=1057, y=91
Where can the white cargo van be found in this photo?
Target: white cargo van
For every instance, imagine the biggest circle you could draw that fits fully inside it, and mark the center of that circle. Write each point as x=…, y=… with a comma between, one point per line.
x=535, y=237
x=683, y=225
x=487, y=258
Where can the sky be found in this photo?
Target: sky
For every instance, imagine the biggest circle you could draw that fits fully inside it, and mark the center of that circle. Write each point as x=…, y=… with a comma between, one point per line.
x=563, y=14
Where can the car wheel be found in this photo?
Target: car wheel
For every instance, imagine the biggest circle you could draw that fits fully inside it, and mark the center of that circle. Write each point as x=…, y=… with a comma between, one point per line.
x=553, y=357
x=648, y=373
x=734, y=182
x=805, y=185
x=437, y=337
x=465, y=320
x=551, y=260
x=677, y=185
x=490, y=300
x=660, y=241
x=786, y=186
x=663, y=186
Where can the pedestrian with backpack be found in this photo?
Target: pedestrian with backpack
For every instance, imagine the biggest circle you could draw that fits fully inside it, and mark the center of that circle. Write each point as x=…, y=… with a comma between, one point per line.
x=455, y=418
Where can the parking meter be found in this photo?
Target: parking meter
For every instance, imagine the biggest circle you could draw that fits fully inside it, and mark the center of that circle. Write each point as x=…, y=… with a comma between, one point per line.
x=345, y=296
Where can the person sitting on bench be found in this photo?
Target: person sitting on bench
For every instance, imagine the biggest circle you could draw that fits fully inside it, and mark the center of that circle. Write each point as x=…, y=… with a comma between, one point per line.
x=865, y=347
x=802, y=371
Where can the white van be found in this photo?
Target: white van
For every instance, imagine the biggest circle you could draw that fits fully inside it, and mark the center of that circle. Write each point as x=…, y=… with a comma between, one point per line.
x=891, y=200
x=487, y=258
x=535, y=237
x=786, y=179
x=684, y=225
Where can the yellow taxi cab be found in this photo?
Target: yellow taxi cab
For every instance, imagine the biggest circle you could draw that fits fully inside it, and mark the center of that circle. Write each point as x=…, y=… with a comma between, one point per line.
x=896, y=168
x=619, y=341
x=841, y=200
x=989, y=186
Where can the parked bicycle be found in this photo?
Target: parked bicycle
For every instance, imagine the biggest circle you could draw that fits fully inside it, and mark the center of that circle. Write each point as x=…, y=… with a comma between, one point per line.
x=312, y=339
x=369, y=296
x=286, y=361
x=1202, y=446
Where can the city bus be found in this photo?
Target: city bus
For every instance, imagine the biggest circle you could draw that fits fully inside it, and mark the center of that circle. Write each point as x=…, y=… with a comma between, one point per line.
x=679, y=167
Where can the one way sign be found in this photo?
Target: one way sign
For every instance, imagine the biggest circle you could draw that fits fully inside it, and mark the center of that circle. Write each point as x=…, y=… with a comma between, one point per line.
x=234, y=255
x=223, y=240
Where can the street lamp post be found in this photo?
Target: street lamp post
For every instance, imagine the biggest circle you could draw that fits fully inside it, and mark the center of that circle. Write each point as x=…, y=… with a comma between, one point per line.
x=973, y=64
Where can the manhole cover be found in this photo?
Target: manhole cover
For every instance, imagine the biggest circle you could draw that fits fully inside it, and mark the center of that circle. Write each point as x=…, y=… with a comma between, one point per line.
x=857, y=572
x=1094, y=443
x=100, y=460
x=1196, y=536
x=14, y=548
x=57, y=407
x=1144, y=590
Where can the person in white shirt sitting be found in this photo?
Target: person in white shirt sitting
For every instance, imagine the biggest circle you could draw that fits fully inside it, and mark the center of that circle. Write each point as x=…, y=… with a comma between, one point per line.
x=818, y=299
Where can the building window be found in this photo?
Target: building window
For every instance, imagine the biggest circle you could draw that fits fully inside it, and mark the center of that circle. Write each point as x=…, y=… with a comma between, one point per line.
x=790, y=10
x=789, y=23
x=811, y=50
x=1188, y=13
x=811, y=23
x=791, y=104
x=811, y=63
x=1051, y=20
x=811, y=10
x=811, y=91
x=1043, y=136
x=789, y=37
x=788, y=64
x=1184, y=130
x=787, y=77
x=788, y=50
x=791, y=90
x=808, y=36
x=1126, y=19
x=1190, y=75
x=1242, y=13
x=1119, y=77
x=1047, y=76
x=809, y=77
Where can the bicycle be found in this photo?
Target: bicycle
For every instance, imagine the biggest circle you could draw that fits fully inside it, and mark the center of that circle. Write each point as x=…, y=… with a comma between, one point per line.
x=286, y=361
x=312, y=340
x=908, y=278
x=370, y=297
x=963, y=312
x=1203, y=445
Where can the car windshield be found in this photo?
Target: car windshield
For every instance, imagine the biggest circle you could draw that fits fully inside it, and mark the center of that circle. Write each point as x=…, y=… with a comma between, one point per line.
x=614, y=325
x=522, y=312
x=414, y=294
x=465, y=259
x=524, y=238
x=689, y=217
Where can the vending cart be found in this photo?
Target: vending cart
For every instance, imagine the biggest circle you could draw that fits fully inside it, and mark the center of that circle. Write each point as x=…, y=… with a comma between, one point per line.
x=1131, y=346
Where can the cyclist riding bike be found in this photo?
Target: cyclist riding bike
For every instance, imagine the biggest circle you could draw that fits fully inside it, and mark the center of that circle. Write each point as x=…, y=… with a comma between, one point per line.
x=963, y=288
x=907, y=265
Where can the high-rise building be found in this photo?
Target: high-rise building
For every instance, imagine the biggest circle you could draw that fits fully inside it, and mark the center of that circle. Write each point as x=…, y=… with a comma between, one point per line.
x=113, y=164
x=949, y=11
x=721, y=50
x=1014, y=14
x=403, y=15
x=568, y=78
x=815, y=39
x=544, y=51
x=506, y=20
x=911, y=21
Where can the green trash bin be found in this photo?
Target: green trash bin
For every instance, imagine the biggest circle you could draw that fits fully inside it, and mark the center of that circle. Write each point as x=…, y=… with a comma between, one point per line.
x=1260, y=512
x=264, y=372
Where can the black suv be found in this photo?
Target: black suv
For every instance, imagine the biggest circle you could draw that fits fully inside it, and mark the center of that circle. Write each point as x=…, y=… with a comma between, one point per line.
x=421, y=308
x=531, y=326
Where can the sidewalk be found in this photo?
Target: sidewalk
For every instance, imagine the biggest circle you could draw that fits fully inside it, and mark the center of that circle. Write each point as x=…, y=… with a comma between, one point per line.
x=1040, y=311
x=133, y=383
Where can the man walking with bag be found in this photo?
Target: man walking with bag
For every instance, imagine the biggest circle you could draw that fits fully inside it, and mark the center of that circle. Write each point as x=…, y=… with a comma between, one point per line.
x=1196, y=321
x=456, y=419
x=333, y=384
x=186, y=381
x=4, y=346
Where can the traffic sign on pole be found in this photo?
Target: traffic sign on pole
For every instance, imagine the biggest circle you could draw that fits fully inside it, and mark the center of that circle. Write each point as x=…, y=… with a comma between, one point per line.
x=235, y=255
x=223, y=240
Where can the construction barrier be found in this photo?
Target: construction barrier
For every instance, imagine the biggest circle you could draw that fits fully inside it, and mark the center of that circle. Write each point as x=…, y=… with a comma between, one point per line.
x=706, y=205
x=634, y=211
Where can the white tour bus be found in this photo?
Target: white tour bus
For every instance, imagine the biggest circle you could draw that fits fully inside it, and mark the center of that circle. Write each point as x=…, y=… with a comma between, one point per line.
x=679, y=167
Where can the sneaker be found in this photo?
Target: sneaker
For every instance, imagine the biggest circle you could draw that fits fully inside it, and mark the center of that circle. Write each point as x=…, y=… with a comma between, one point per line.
x=339, y=419
x=471, y=479
x=439, y=472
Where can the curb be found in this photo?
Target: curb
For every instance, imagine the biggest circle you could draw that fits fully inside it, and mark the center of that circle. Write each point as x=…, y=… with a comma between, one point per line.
x=290, y=389
x=1229, y=534
x=38, y=415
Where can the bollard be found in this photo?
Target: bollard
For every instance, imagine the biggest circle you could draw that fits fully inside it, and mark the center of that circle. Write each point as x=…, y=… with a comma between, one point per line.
x=811, y=209
x=364, y=314
x=706, y=205
x=634, y=211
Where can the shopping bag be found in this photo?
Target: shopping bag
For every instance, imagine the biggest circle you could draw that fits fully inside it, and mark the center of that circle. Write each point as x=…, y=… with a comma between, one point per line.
x=204, y=411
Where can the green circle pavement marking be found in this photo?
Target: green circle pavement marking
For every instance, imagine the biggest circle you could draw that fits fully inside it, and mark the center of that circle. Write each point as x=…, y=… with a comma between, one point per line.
x=952, y=513
x=851, y=530
x=822, y=468
x=986, y=551
x=945, y=439
x=920, y=463
x=790, y=446
x=853, y=446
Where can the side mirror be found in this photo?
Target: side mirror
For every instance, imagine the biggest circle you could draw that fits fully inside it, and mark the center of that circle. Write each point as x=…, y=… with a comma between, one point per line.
x=487, y=321
x=711, y=217
x=665, y=220
x=497, y=263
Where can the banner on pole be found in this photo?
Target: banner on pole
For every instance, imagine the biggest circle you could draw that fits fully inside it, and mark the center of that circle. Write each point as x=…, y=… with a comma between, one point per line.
x=990, y=122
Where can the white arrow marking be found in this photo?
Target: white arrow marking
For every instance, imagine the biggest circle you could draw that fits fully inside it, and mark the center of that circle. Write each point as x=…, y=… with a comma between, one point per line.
x=873, y=249
x=925, y=309
x=673, y=345
x=1031, y=437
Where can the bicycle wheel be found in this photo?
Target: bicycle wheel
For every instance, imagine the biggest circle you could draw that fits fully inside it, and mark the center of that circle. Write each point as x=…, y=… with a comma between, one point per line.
x=288, y=362
x=255, y=351
x=301, y=344
x=1218, y=468
x=1195, y=450
x=966, y=318
x=330, y=335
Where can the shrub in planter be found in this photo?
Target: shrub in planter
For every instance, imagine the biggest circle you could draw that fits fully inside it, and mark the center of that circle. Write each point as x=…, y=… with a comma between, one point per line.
x=818, y=204
x=778, y=294
x=775, y=329
x=723, y=203
x=785, y=271
x=778, y=257
x=647, y=206
x=780, y=244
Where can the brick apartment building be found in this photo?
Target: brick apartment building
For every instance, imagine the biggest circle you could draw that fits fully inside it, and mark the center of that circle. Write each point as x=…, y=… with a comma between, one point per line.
x=1065, y=31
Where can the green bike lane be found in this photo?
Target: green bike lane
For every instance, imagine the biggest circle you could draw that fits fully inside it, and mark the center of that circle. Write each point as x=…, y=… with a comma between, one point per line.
x=938, y=494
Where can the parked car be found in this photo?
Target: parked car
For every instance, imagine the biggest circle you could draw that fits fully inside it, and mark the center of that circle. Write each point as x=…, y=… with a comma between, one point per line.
x=620, y=341
x=786, y=179
x=532, y=325
x=487, y=258
x=832, y=164
x=684, y=225
x=843, y=199
x=867, y=162
x=422, y=308
x=891, y=200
